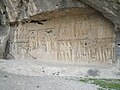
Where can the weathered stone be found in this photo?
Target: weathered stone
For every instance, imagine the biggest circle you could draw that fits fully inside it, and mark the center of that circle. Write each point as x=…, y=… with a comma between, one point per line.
x=20, y=9
x=20, y=15
x=109, y=8
x=72, y=35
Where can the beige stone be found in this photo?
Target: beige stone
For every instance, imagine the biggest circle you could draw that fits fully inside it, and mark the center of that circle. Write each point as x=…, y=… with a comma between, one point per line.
x=75, y=35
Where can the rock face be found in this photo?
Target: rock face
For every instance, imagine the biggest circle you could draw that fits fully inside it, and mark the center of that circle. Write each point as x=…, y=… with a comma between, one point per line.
x=109, y=8
x=71, y=35
x=16, y=13
x=20, y=9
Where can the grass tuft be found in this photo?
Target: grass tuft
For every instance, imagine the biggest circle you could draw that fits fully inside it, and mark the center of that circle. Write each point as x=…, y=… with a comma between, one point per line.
x=109, y=84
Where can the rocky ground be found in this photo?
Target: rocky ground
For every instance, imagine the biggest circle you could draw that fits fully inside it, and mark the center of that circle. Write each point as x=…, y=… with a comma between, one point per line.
x=36, y=75
x=19, y=82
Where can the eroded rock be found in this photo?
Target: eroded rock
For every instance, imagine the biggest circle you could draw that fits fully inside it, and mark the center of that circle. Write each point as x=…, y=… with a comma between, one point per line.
x=26, y=17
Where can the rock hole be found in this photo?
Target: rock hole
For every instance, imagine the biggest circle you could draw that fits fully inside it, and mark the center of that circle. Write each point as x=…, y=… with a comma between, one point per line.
x=118, y=45
x=5, y=76
x=53, y=73
x=4, y=12
x=37, y=86
x=40, y=23
x=50, y=31
x=85, y=43
x=43, y=71
x=26, y=21
x=43, y=20
x=35, y=21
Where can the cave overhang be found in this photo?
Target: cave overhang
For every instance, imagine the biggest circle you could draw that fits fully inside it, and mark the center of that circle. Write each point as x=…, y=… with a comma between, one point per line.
x=57, y=9
x=71, y=35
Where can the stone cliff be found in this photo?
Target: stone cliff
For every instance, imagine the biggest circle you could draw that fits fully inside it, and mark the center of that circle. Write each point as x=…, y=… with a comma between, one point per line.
x=13, y=12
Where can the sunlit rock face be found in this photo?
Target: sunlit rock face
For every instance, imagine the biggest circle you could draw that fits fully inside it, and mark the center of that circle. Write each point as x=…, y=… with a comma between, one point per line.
x=14, y=11
x=74, y=35
x=20, y=9
x=61, y=30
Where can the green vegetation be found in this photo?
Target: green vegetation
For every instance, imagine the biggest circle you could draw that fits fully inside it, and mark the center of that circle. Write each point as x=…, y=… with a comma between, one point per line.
x=104, y=84
x=109, y=84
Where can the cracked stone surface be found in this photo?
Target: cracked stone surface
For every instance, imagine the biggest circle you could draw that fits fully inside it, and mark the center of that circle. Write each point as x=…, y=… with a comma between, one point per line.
x=25, y=8
x=15, y=11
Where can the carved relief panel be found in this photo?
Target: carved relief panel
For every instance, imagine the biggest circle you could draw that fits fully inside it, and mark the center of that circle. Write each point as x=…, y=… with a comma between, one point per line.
x=70, y=38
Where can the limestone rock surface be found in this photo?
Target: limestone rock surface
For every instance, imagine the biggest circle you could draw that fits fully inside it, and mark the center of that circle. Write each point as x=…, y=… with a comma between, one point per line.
x=14, y=11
